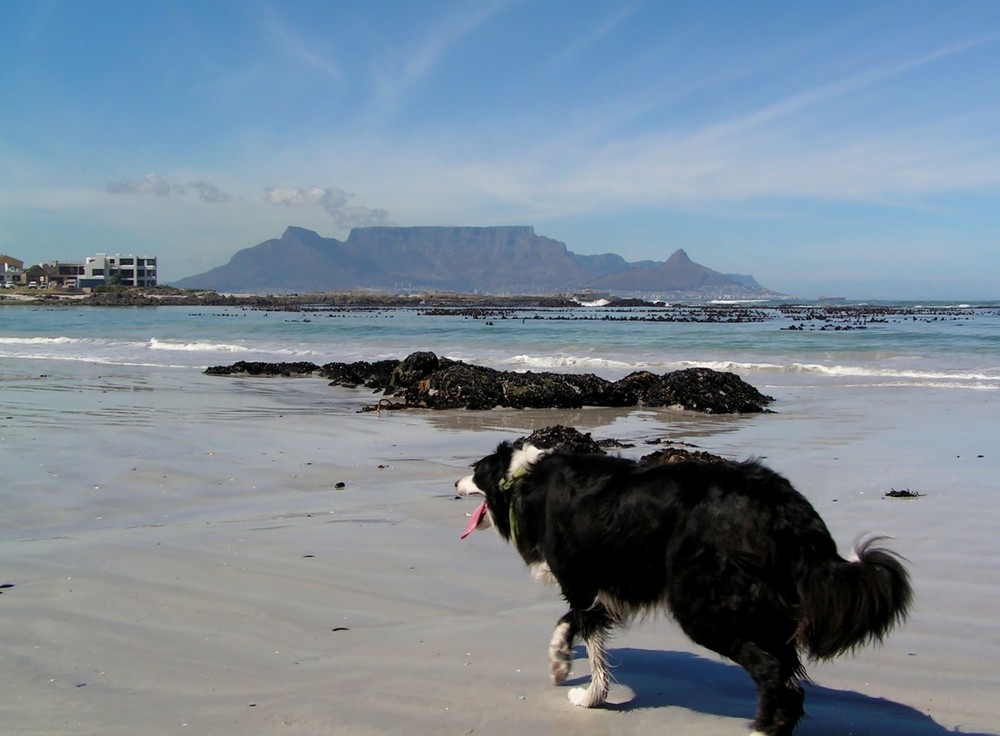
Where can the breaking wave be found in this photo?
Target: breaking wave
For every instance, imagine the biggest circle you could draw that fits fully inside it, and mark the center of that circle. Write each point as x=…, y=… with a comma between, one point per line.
x=206, y=347
x=865, y=374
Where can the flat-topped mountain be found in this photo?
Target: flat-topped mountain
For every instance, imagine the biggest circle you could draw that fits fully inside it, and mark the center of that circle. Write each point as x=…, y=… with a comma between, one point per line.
x=490, y=260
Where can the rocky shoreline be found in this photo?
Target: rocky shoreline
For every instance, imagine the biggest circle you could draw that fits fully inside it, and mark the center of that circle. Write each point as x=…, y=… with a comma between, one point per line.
x=423, y=380
x=169, y=296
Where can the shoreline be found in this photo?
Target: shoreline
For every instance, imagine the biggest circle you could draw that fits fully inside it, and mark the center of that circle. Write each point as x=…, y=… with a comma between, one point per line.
x=450, y=301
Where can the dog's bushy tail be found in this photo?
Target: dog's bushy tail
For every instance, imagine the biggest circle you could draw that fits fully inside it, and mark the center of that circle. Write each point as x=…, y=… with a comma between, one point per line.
x=847, y=604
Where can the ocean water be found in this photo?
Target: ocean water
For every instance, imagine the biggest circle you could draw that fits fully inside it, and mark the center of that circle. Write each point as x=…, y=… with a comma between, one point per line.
x=950, y=347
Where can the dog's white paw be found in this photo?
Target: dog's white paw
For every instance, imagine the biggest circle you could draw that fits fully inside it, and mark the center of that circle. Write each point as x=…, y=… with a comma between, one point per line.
x=584, y=697
x=560, y=665
x=560, y=653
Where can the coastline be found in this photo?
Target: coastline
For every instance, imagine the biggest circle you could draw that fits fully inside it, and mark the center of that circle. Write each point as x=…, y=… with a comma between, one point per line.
x=169, y=296
x=196, y=569
x=373, y=299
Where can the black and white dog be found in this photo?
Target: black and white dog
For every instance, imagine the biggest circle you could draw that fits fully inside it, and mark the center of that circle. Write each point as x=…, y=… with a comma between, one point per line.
x=739, y=558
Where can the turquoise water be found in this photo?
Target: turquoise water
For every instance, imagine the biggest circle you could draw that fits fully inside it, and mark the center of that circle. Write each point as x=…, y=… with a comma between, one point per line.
x=948, y=346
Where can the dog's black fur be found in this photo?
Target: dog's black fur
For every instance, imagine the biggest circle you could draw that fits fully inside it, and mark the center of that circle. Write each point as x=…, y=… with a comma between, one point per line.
x=739, y=558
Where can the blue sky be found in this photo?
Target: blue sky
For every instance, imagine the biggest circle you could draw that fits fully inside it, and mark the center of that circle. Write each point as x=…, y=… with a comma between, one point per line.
x=848, y=148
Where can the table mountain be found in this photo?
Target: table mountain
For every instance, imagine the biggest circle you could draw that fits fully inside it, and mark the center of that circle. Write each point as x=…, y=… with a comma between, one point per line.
x=492, y=260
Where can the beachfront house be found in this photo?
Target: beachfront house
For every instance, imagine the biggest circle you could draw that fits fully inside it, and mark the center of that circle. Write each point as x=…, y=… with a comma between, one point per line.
x=64, y=273
x=11, y=271
x=38, y=277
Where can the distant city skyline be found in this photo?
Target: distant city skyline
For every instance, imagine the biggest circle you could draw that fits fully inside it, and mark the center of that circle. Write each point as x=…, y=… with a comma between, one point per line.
x=848, y=149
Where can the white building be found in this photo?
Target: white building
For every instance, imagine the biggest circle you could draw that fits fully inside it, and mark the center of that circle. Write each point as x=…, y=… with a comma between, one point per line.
x=105, y=270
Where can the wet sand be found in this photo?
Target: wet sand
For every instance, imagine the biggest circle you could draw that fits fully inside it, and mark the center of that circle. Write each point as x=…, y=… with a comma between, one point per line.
x=182, y=561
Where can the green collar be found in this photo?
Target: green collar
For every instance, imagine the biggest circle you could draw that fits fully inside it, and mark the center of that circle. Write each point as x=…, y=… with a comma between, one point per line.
x=507, y=483
x=512, y=518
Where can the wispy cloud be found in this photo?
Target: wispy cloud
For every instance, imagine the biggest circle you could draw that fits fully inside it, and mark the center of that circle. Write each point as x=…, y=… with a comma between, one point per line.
x=149, y=184
x=793, y=147
x=402, y=69
x=823, y=95
x=157, y=185
x=208, y=192
x=297, y=46
x=597, y=34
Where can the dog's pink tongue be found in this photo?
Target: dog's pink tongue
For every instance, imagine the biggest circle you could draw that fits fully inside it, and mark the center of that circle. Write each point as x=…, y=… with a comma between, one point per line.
x=477, y=516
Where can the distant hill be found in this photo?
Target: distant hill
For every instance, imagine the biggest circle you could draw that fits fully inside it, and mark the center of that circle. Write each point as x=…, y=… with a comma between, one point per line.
x=490, y=260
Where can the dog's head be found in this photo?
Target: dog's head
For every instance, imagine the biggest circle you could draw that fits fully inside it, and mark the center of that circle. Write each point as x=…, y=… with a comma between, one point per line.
x=494, y=477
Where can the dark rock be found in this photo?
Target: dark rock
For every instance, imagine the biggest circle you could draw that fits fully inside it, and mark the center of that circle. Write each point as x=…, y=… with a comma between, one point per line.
x=565, y=438
x=256, y=368
x=526, y=390
x=415, y=367
x=424, y=380
x=596, y=391
x=699, y=389
x=375, y=375
x=456, y=386
x=676, y=455
x=635, y=385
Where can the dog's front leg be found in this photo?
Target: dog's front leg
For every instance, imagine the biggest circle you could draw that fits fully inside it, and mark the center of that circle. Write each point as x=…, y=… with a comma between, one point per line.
x=593, y=625
x=561, y=647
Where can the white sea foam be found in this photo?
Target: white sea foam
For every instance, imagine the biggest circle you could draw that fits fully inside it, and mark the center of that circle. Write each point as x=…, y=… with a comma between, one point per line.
x=876, y=375
x=557, y=361
x=848, y=371
x=44, y=340
x=207, y=347
x=732, y=366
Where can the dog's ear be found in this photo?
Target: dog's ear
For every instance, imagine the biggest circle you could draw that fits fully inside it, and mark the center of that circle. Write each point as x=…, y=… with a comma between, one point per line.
x=504, y=452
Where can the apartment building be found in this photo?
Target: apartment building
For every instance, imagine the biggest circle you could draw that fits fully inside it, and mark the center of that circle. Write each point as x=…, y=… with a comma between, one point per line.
x=105, y=270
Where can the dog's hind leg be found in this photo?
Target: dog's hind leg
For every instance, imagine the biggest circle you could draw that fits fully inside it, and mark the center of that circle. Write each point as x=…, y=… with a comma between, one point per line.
x=779, y=695
x=561, y=648
x=593, y=625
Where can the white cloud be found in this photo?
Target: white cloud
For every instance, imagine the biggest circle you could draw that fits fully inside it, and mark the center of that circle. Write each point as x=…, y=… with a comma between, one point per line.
x=331, y=199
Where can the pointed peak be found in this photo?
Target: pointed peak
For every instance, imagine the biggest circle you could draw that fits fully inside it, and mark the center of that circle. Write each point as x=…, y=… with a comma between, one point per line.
x=298, y=232
x=678, y=256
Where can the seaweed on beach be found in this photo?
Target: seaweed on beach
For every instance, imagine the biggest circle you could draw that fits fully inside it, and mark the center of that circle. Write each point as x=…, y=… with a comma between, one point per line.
x=902, y=493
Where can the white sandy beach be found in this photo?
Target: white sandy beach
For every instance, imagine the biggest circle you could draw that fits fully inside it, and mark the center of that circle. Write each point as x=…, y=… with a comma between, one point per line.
x=182, y=562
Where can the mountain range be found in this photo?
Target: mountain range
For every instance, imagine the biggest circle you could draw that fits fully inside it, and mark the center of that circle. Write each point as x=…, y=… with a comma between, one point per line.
x=487, y=260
